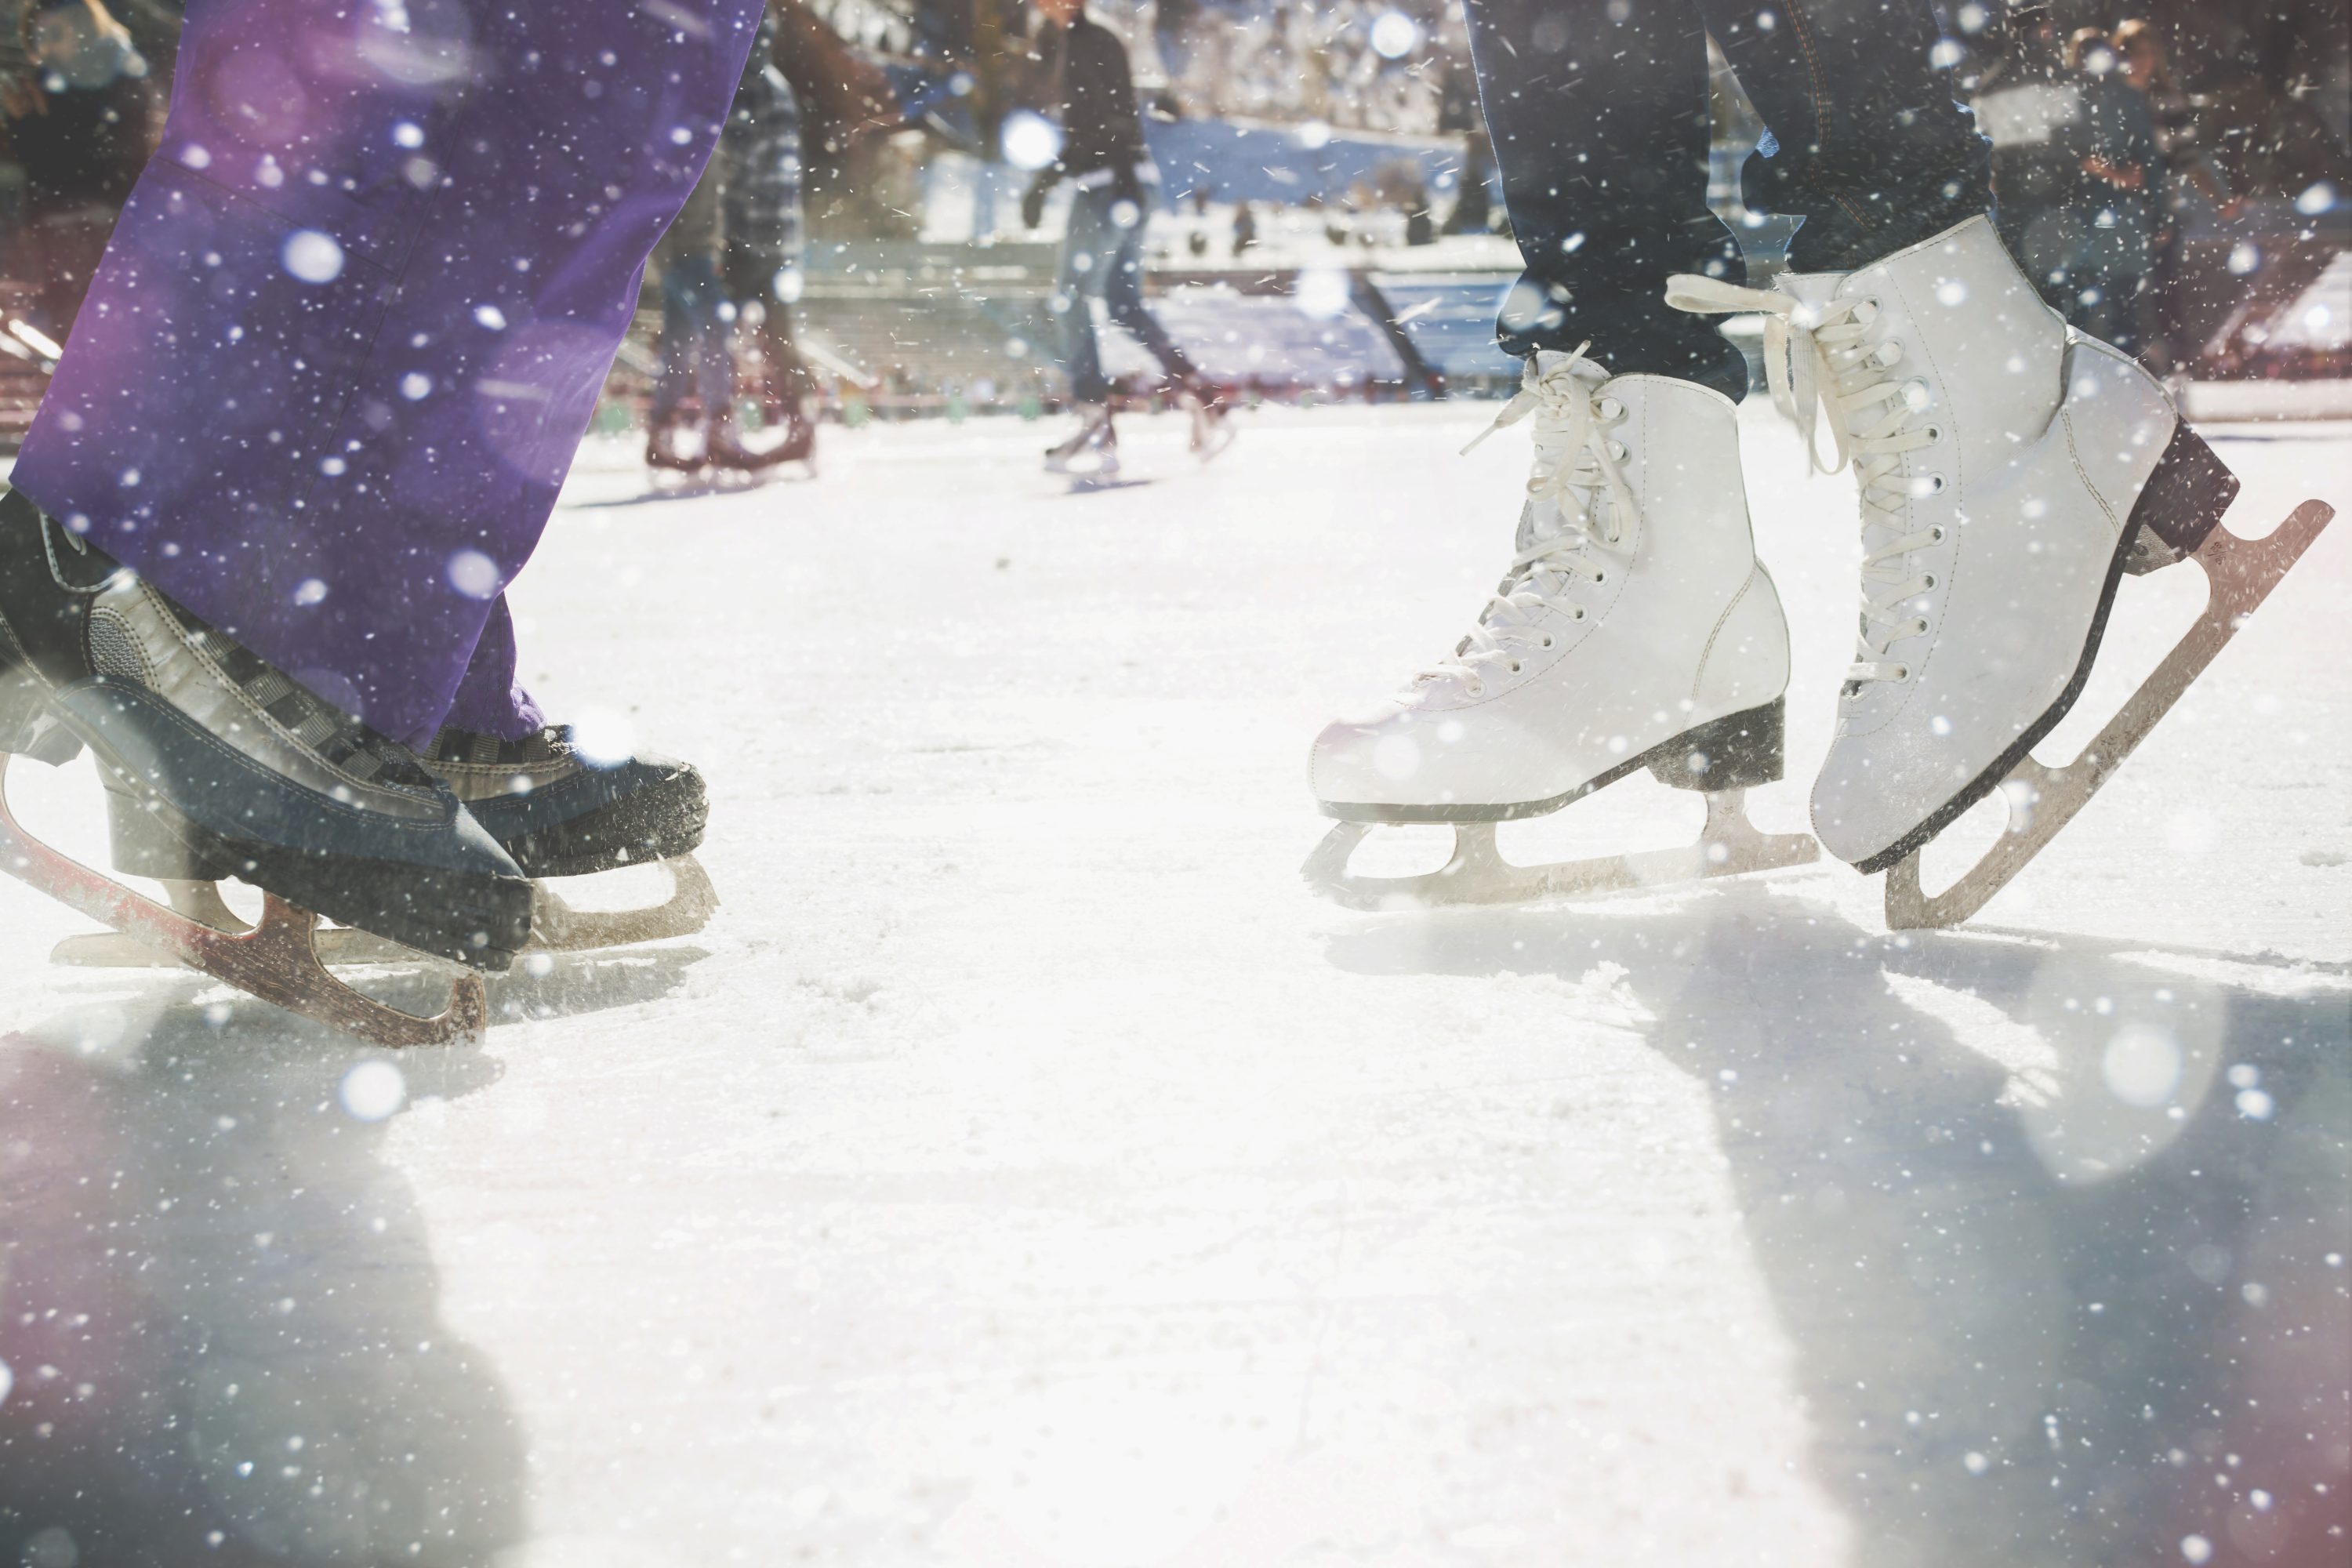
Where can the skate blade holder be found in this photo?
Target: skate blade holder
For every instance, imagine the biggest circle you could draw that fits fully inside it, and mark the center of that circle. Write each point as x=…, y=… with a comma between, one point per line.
x=2240, y=574
x=277, y=961
x=555, y=927
x=1728, y=845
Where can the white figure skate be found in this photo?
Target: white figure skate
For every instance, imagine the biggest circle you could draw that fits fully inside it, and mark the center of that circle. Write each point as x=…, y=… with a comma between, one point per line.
x=1091, y=452
x=2012, y=470
x=1634, y=628
x=1209, y=417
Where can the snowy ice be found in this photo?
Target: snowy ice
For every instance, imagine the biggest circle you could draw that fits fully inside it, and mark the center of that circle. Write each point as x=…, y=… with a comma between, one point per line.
x=1023, y=1169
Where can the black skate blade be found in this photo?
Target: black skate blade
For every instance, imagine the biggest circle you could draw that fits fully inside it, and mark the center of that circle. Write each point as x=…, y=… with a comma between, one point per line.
x=2241, y=573
x=556, y=927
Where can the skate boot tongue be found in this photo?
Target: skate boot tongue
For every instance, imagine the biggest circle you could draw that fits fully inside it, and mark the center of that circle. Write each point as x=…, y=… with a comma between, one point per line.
x=1578, y=501
x=1822, y=350
x=1828, y=348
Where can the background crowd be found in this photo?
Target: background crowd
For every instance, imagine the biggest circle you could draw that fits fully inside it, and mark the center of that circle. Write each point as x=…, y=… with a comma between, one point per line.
x=2173, y=172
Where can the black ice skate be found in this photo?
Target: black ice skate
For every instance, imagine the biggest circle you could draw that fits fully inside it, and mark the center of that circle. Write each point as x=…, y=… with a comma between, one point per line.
x=680, y=444
x=790, y=437
x=554, y=812
x=222, y=767
x=560, y=815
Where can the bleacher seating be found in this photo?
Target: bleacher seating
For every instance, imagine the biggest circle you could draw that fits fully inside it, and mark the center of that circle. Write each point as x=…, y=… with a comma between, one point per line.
x=23, y=378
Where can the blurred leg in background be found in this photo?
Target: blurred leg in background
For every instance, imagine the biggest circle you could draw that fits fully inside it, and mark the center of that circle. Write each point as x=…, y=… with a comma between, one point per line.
x=761, y=262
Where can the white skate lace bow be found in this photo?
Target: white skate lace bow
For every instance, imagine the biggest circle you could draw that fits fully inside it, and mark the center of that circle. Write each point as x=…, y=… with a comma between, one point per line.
x=1813, y=358
x=1577, y=476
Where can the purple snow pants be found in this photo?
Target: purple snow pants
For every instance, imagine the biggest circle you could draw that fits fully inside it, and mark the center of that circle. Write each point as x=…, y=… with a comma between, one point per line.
x=355, y=316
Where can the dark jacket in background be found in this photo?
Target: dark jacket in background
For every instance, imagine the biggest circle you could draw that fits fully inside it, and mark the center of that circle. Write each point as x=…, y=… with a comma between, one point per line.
x=1101, y=128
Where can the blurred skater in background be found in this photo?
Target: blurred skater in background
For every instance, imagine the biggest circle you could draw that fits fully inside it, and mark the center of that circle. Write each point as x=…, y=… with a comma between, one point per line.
x=730, y=266
x=1103, y=155
x=2117, y=210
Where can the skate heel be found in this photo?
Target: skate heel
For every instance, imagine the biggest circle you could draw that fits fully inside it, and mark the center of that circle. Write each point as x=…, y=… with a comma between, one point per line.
x=142, y=846
x=1738, y=750
x=27, y=727
x=2182, y=502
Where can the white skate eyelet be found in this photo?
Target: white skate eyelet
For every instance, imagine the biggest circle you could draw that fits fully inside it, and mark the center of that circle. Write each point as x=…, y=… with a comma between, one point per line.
x=1618, y=451
x=1934, y=434
x=1580, y=612
x=1937, y=533
x=1919, y=627
x=1902, y=674
x=1547, y=641
x=1600, y=577
x=1611, y=409
x=1479, y=690
x=1930, y=580
x=1517, y=667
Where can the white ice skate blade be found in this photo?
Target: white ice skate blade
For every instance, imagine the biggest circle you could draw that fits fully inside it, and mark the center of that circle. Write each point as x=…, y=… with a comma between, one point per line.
x=1728, y=845
x=555, y=927
x=1209, y=436
x=277, y=961
x=2241, y=573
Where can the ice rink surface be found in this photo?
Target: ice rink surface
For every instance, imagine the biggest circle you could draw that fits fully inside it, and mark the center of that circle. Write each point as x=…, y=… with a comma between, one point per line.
x=1023, y=1170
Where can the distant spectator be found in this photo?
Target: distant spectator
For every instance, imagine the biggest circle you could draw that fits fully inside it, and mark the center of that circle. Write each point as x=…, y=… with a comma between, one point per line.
x=80, y=119
x=2194, y=189
x=733, y=258
x=2027, y=103
x=2113, y=220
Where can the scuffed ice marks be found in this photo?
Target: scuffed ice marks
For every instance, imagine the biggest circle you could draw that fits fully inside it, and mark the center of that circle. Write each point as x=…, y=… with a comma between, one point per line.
x=849, y=1015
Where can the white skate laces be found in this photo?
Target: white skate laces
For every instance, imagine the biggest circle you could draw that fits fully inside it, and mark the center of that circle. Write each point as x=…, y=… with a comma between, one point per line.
x=1577, y=481
x=1813, y=359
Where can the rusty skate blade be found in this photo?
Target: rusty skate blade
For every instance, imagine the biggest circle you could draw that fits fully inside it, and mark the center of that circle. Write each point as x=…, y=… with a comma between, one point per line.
x=1728, y=845
x=277, y=961
x=2240, y=574
x=555, y=927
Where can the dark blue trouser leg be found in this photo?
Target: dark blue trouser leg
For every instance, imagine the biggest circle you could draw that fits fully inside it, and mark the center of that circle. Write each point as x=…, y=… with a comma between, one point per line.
x=1874, y=152
x=1123, y=298
x=697, y=358
x=1078, y=279
x=1101, y=259
x=1599, y=113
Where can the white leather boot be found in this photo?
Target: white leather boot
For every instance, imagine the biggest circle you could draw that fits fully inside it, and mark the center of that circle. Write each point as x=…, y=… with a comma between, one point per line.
x=2011, y=472
x=1091, y=450
x=1634, y=626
